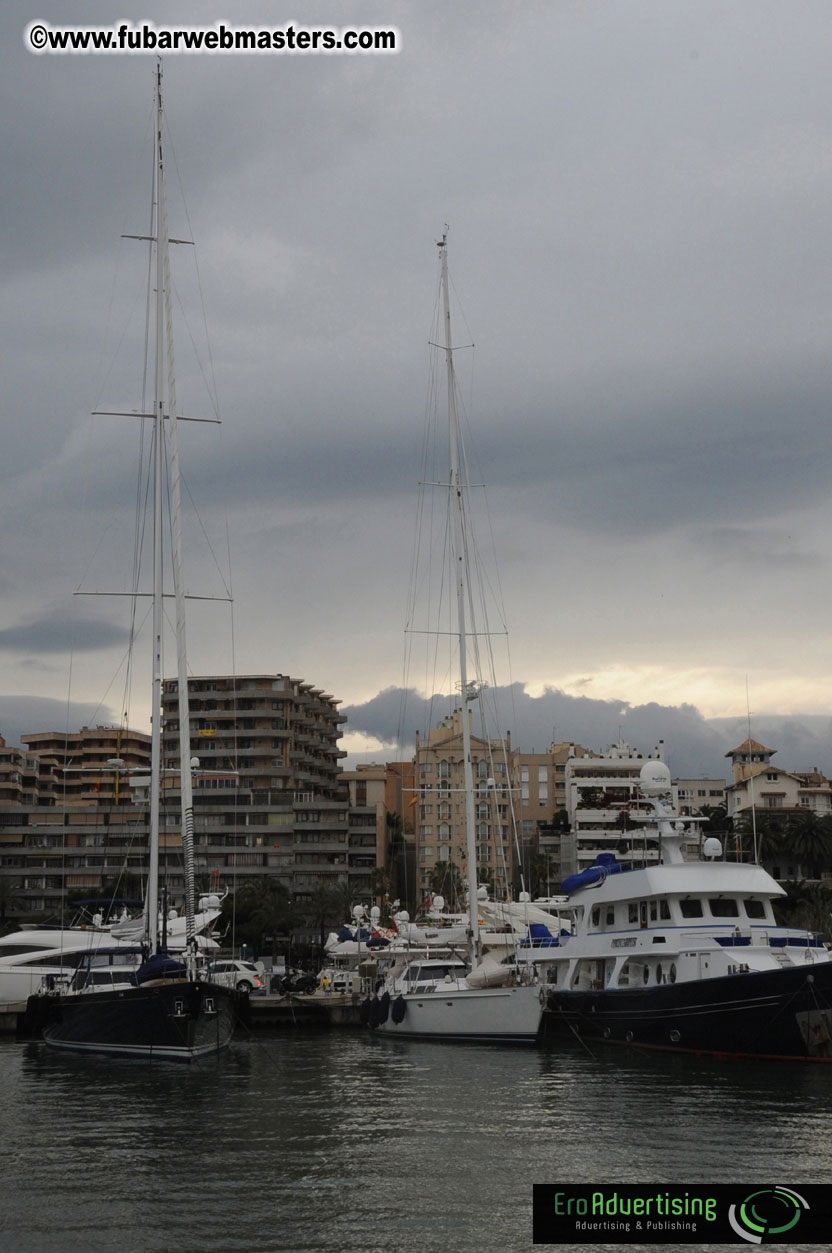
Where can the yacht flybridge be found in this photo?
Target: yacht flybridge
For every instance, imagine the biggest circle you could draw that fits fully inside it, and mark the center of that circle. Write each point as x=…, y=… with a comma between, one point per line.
x=685, y=955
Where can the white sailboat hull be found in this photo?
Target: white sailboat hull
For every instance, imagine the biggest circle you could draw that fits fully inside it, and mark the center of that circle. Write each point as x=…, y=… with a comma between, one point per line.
x=508, y=1015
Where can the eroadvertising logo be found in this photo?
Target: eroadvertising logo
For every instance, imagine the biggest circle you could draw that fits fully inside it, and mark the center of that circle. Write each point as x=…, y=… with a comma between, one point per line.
x=767, y=1212
x=643, y=1214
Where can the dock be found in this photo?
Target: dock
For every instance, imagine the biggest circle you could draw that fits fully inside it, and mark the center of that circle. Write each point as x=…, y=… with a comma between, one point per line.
x=299, y=1009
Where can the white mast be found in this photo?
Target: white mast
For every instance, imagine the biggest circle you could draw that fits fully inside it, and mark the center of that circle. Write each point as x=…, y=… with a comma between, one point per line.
x=186, y=782
x=461, y=580
x=152, y=894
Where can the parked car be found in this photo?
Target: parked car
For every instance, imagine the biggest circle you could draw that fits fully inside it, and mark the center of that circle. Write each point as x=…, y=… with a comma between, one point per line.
x=242, y=975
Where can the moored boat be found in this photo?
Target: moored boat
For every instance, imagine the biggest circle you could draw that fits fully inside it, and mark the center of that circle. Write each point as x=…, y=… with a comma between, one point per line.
x=472, y=998
x=686, y=955
x=162, y=1008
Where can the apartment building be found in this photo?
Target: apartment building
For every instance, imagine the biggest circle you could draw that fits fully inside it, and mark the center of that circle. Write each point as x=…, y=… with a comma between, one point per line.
x=269, y=798
x=696, y=795
x=604, y=811
x=440, y=834
x=69, y=818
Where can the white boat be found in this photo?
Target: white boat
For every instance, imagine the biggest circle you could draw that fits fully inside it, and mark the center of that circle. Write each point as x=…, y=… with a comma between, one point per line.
x=686, y=955
x=165, y=1010
x=454, y=999
x=32, y=955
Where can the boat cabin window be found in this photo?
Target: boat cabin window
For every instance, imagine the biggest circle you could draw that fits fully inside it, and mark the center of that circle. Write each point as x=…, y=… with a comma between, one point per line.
x=664, y=910
x=632, y=913
x=596, y=916
x=755, y=909
x=691, y=907
x=610, y=916
x=724, y=907
x=435, y=970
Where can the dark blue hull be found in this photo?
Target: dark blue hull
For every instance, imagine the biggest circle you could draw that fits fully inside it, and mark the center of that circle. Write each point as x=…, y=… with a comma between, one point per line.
x=781, y=1014
x=176, y=1020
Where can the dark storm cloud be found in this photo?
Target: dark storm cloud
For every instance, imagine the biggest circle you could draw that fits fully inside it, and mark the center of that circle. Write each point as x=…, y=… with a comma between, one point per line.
x=24, y=715
x=638, y=198
x=693, y=746
x=54, y=635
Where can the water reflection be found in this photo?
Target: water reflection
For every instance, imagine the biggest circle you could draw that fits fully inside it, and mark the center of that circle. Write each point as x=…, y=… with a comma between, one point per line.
x=346, y=1142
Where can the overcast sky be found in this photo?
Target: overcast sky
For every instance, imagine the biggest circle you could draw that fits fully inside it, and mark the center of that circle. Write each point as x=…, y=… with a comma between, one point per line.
x=639, y=198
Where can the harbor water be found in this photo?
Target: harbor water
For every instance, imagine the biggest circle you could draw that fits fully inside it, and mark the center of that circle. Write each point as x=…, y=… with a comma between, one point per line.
x=348, y=1143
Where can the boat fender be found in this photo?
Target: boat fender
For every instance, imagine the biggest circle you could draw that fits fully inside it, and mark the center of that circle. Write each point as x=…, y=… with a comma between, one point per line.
x=398, y=1009
x=364, y=1011
x=383, y=1008
x=375, y=1011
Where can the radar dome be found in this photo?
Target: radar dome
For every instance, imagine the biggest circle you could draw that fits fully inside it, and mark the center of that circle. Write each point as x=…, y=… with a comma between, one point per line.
x=654, y=778
x=438, y=902
x=712, y=847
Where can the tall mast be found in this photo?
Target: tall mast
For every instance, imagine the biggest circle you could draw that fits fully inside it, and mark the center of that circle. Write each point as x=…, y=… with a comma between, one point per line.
x=460, y=558
x=186, y=781
x=152, y=895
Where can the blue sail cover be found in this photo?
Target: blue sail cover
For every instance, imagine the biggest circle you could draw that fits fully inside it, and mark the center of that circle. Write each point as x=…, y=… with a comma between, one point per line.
x=160, y=966
x=604, y=864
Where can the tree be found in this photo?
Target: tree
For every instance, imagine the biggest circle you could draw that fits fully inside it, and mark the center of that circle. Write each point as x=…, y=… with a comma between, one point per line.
x=769, y=826
x=809, y=839
x=9, y=903
x=718, y=820
x=806, y=905
x=382, y=883
x=329, y=907
x=261, y=908
x=446, y=880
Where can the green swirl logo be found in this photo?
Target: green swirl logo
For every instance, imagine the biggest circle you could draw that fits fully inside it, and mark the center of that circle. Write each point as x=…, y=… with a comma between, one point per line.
x=769, y=1212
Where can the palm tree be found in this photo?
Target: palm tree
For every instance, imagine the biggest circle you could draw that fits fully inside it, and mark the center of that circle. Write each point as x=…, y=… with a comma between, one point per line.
x=718, y=820
x=806, y=905
x=769, y=826
x=810, y=842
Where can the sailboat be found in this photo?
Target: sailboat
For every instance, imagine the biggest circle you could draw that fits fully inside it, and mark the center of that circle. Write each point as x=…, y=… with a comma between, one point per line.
x=146, y=1003
x=450, y=998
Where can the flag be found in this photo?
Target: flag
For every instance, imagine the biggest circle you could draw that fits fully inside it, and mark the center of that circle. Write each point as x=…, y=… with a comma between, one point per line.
x=415, y=800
